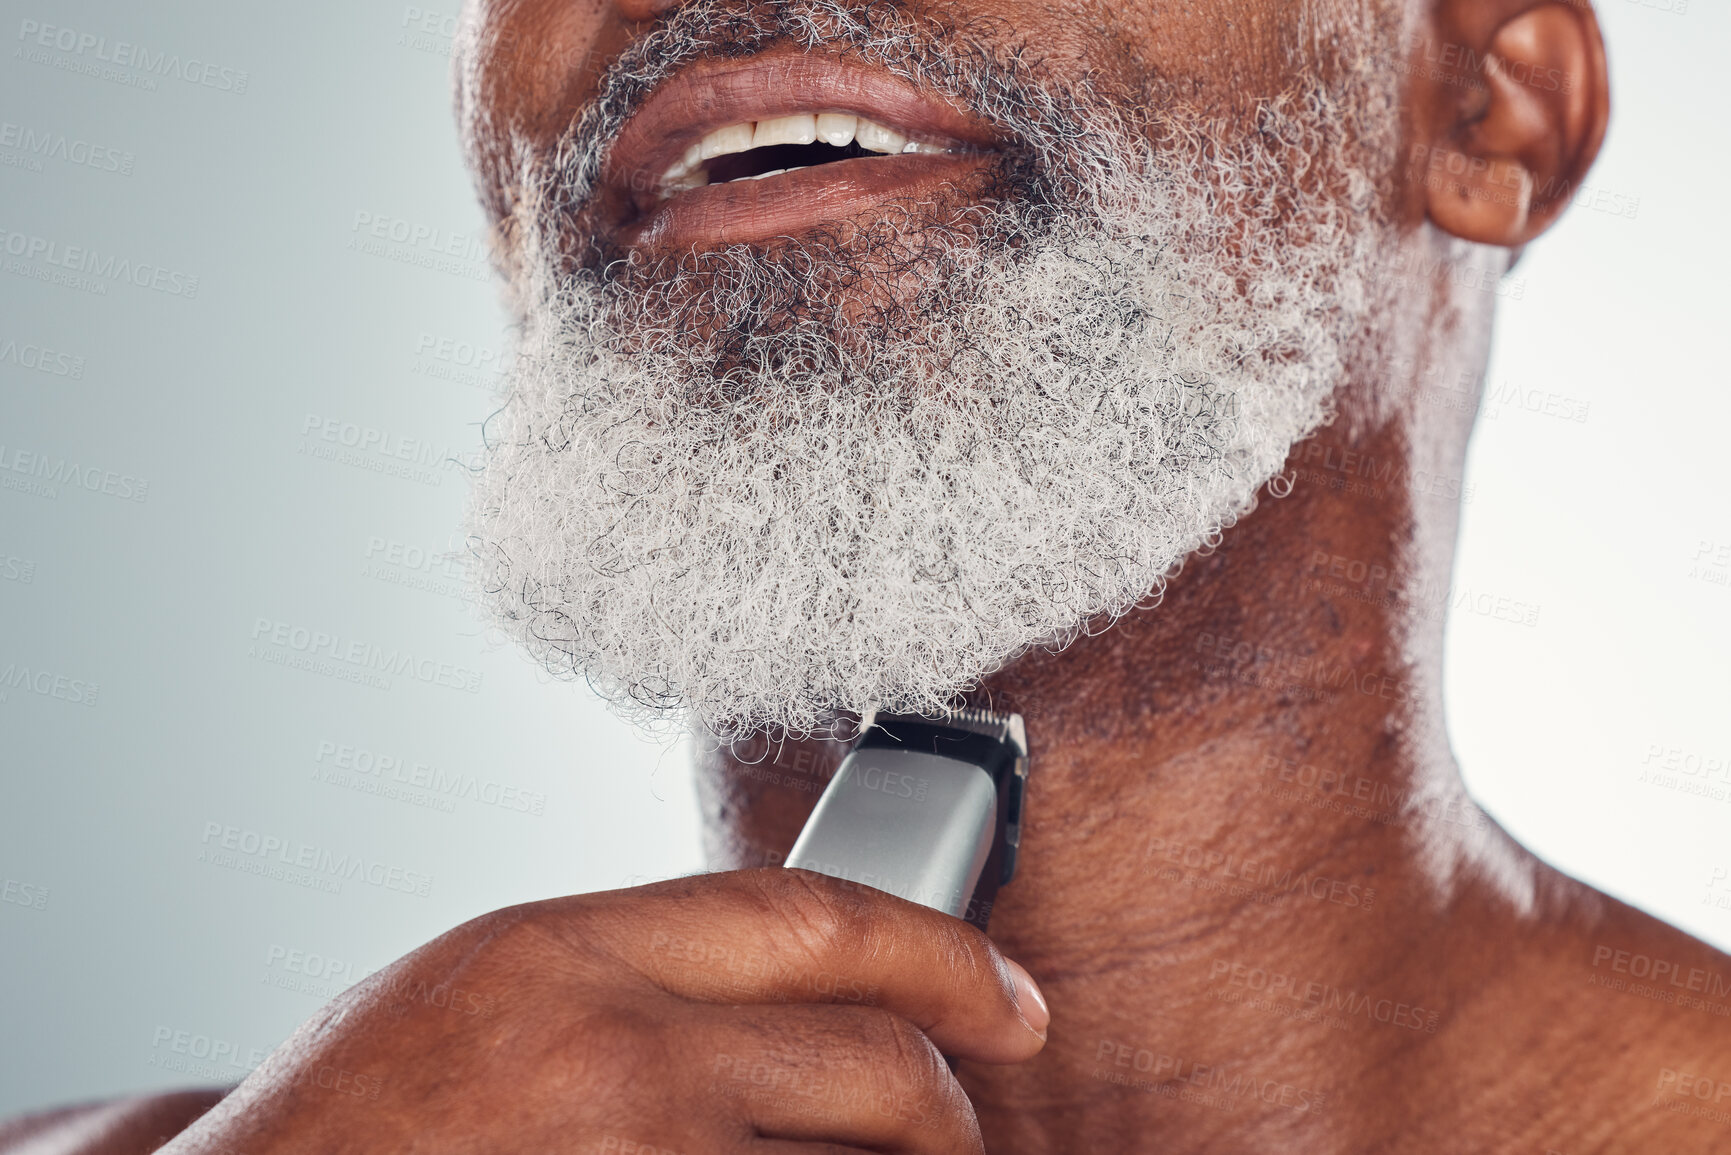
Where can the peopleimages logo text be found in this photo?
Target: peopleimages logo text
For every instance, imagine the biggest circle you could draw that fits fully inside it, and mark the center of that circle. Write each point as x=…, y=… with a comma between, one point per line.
x=46, y=684
x=124, y=54
x=52, y=145
x=364, y=655
x=40, y=358
x=65, y=471
x=222, y=839
x=92, y=263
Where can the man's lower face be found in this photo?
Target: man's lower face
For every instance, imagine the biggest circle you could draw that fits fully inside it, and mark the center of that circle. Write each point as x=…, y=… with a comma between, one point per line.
x=748, y=480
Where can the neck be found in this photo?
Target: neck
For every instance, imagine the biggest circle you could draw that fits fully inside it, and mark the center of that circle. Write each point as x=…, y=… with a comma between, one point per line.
x=1251, y=882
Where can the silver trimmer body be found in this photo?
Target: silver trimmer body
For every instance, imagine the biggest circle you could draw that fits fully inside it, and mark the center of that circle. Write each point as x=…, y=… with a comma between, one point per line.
x=926, y=808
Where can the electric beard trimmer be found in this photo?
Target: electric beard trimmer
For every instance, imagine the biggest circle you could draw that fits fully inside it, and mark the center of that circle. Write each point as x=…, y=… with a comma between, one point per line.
x=926, y=808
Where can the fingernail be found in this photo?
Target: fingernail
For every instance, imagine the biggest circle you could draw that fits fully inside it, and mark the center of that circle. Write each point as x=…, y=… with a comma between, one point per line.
x=1029, y=1000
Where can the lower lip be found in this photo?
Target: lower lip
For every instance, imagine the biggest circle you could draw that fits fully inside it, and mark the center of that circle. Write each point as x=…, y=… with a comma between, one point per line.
x=796, y=202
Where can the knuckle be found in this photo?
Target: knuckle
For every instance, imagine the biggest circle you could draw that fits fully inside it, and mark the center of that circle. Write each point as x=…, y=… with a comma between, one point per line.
x=906, y=1049
x=972, y=975
x=972, y=954
x=506, y=930
x=506, y=923
x=822, y=920
x=624, y=1049
x=503, y=940
x=621, y=1029
x=977, y=961
x=566, y=925
x=483, y=946
x=918, y=1089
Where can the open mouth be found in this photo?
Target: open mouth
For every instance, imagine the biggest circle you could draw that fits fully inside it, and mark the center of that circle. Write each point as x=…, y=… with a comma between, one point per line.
x=783, y=143
x=786, y=144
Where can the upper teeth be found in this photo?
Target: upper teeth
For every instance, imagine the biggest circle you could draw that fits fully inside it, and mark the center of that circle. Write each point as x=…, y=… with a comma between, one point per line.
x=838, y=129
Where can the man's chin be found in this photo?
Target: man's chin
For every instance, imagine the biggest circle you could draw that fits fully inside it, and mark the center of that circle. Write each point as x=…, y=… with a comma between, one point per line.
x=835, y=528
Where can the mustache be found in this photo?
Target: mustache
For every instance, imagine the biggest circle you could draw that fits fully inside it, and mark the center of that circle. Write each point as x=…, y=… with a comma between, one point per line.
x=981, y=64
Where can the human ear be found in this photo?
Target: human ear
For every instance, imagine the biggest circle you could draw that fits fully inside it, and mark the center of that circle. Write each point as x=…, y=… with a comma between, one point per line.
x=1517, y=108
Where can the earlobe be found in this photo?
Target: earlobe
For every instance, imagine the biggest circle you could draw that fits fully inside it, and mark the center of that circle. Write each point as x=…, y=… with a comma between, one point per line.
x=1507, y=158
x=1484, y=199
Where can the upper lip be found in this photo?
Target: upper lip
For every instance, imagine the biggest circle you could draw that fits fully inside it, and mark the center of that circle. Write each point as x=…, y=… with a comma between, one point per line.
x=708, y=95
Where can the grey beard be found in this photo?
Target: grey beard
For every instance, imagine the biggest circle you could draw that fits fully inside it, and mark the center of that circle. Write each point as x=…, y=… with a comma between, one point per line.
x=726, y=495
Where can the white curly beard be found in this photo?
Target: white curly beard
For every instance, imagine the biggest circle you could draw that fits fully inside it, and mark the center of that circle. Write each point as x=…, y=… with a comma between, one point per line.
x=1090, y=388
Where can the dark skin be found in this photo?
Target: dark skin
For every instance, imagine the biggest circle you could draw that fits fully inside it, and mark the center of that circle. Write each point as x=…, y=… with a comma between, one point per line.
x=1152, y=750
x=1261, y=908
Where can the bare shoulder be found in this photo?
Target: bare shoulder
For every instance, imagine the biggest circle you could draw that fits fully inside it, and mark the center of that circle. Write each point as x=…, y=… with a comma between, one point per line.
x=115, y=1127
x=1641, y=1015
x=1665, y=998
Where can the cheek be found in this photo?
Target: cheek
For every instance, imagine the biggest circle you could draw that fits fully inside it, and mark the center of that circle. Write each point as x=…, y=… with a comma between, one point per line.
x=526, y=67
x=1210, y=55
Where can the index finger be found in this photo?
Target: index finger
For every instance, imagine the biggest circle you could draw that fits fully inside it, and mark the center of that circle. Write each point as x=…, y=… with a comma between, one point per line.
x=786, y=935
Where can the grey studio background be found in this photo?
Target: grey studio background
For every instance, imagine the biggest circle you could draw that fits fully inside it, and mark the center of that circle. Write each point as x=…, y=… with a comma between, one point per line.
x=237, y=461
